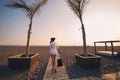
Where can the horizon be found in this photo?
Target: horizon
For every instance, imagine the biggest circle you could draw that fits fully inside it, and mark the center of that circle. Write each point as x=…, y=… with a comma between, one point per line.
x=101, y=44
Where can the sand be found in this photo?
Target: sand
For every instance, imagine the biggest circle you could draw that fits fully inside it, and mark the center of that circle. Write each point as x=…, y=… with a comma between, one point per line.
x=109, y=65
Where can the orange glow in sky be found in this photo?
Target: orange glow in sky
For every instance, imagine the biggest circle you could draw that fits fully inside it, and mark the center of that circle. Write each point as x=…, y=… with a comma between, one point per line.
x=56, y=19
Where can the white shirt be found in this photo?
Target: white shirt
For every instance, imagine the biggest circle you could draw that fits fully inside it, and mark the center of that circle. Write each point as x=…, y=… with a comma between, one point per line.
x=53, y=48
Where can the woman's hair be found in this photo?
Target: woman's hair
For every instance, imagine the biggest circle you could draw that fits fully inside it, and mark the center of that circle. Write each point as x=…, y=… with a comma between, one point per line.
x=52, y=39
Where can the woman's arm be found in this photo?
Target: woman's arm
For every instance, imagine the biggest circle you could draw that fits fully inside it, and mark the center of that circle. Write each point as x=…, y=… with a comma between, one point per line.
x=58, y=50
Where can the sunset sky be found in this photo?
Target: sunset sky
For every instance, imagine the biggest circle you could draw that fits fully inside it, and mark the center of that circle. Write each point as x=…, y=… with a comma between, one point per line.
x=56, y=19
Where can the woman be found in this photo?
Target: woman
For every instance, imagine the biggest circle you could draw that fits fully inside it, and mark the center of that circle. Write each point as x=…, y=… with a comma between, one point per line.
x=53, y=52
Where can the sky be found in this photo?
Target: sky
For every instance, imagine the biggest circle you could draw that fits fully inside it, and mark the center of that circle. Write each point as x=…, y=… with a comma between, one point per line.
x=56, y=19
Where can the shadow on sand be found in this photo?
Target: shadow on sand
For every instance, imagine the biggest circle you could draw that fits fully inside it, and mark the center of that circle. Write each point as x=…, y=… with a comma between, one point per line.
x=75, y=71
x=110, y=65
x=6, y=72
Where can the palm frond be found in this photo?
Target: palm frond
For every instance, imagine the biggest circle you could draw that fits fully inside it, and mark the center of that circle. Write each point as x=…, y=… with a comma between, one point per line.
x=77, y=6
x=83, y=4
x=35, y=7
x=74, y=6
x=19, y=4
x=29, y=9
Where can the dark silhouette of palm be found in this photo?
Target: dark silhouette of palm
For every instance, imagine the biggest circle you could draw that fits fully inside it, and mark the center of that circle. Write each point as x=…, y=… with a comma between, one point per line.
x=30, y=10
x=78, y=6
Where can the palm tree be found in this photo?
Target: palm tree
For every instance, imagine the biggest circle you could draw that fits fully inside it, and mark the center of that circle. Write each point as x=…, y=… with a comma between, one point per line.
x=30, y=10
x=78, y=6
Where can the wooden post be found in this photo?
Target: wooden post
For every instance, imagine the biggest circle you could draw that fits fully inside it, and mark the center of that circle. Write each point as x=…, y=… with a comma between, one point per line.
x=95, y=46
x=105, y=46
x=112, y=48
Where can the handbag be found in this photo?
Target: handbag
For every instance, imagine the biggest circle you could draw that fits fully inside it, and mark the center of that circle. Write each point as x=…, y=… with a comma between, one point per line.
x=59, y=62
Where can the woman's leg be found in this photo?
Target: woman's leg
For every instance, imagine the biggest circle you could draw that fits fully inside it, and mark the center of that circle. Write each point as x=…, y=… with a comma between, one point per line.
x=52, y=58
x=54, y=61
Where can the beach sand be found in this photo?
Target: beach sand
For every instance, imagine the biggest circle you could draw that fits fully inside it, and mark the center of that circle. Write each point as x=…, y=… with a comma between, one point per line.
x=109, y=65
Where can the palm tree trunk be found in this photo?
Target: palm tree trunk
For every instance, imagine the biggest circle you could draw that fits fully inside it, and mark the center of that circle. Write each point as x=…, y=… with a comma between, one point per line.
x=28, y=38
x=84, y=37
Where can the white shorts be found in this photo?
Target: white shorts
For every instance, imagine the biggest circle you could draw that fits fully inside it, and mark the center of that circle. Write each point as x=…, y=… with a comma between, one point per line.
x=53, y=52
